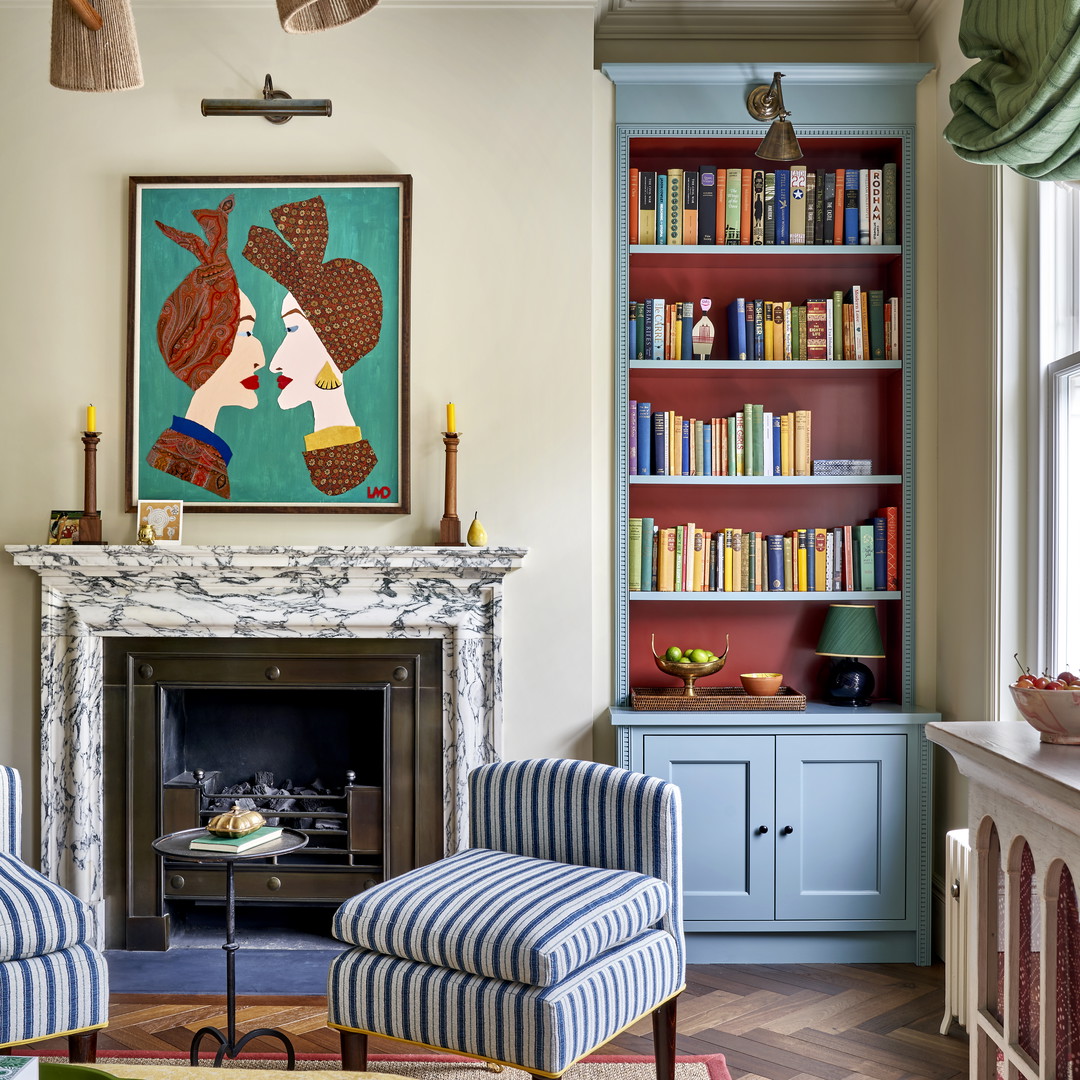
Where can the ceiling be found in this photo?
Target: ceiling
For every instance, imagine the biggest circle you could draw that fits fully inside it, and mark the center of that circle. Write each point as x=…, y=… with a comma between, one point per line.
x=817, y=20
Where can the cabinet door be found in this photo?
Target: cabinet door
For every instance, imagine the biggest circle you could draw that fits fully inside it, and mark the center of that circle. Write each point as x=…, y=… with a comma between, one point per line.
x=844, y=799
x=727, y=795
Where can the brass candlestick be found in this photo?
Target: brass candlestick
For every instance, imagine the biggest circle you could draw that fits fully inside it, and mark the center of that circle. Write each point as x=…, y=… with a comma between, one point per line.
x=90, y=524
x=450, y=526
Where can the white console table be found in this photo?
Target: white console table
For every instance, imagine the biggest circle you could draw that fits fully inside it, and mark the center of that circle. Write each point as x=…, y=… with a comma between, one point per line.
x=1024, y=943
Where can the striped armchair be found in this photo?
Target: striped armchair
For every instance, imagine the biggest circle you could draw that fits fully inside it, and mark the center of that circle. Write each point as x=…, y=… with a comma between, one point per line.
x=52, y=981
x=558, y=928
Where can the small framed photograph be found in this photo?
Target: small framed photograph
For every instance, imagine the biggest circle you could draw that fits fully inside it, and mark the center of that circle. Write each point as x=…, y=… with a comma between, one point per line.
x=64, y=526
x=164, y=517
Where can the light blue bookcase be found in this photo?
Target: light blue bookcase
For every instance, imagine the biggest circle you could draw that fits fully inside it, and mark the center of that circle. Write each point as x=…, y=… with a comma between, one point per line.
x=806, y=832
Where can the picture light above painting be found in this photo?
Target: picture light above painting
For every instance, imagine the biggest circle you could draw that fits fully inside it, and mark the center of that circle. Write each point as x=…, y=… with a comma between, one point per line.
x=268, y=343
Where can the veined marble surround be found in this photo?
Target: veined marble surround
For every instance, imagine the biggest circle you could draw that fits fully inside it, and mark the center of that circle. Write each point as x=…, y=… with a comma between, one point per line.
x=91, y=592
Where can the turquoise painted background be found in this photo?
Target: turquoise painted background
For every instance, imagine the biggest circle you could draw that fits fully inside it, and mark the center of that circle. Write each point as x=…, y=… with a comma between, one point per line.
x=267, y=442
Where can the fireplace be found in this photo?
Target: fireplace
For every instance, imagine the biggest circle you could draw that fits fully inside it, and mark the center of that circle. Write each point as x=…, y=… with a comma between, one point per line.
x=351, y=728
x=451, y=597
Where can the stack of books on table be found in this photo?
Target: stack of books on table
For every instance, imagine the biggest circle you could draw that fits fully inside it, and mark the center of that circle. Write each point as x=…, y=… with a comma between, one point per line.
x=233, y=845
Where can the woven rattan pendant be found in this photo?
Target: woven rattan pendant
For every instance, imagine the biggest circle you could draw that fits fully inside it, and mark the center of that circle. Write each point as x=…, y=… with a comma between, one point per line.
x=311, y=16
x=94, y=60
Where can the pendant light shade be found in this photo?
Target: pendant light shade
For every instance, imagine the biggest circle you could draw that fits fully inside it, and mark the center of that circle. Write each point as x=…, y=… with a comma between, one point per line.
x=94, y=60
x=780, y=142
x=311, y=16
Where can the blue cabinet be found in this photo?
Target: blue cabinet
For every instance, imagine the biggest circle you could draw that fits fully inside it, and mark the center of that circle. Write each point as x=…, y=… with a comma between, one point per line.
x=805, y=839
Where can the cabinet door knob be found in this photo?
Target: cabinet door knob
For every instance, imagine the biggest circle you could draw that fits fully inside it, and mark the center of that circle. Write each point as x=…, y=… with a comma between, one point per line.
x=273, y=883
x=762, y=829
x=787, y=830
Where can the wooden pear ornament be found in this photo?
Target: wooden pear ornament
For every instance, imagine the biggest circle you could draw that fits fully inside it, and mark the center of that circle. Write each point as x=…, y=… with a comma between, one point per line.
x=477, y=535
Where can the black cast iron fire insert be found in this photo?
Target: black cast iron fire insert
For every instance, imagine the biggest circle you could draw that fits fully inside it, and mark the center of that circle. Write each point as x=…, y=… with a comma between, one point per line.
x=354, y=724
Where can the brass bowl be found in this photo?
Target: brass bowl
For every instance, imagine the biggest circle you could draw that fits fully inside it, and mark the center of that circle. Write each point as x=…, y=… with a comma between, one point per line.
x=690, y=672
x=761, y=683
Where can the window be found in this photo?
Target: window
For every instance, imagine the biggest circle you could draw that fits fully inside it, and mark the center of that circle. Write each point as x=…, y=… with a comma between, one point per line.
x=1059, y=397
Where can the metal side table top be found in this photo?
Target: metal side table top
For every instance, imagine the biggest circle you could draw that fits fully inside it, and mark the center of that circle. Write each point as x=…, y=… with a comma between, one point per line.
x=177, y=846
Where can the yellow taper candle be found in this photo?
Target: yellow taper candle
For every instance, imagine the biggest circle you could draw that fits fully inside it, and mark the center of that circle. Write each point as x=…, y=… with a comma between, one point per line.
x=91, y=418
x=451, y=420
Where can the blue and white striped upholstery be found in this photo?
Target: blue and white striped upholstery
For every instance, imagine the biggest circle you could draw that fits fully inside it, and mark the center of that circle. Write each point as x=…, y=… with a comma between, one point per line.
x=52, y=980
x=535, y=946
x=37, y=916
x=10, y=811
x=54, y=994
x=543, y=1029
x=491, y=913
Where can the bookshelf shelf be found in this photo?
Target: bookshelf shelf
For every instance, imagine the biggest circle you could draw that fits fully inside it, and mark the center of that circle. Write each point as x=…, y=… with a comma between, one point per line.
x=768, y=597
x=754, y=897
x=767, y=481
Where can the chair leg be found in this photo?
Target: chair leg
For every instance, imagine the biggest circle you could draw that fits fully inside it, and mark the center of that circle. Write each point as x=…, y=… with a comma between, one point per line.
x=353, y=1051
x=82, y=1048
x=663, y=1027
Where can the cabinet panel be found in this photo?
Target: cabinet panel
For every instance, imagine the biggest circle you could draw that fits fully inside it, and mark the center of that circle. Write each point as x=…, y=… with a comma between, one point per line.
x=844, y=798
x=727, y=794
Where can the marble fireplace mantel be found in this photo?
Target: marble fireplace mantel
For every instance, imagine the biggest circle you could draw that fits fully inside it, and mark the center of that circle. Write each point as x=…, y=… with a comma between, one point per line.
x=92, y=592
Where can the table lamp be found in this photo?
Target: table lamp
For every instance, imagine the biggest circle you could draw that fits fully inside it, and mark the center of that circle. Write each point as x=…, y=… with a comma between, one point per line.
x=850, y=631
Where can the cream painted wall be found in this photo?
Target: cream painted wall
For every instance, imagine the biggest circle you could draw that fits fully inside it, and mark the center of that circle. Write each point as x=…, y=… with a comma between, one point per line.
x=492, y=113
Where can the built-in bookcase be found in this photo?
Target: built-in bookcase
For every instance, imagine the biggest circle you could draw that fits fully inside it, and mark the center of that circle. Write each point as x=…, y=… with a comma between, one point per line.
x=851, y=117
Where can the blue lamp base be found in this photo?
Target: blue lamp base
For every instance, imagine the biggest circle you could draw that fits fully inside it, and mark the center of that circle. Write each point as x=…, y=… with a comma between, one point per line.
x=849, y=684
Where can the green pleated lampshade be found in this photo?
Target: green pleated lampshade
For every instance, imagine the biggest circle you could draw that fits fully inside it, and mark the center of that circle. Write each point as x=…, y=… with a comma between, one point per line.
x=850, y=630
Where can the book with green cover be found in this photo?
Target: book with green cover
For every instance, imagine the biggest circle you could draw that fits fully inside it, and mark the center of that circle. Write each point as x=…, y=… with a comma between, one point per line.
x=863, y=542
x=233, y=845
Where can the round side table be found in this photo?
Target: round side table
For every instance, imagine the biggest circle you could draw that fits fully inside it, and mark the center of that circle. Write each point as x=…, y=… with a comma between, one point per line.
x=176, y=846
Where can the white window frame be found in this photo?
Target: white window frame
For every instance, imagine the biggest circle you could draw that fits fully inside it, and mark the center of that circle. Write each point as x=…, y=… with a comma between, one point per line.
x=1059, y=360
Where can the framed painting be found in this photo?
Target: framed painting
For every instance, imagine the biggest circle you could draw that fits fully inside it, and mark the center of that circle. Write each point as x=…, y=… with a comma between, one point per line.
x=268, y=343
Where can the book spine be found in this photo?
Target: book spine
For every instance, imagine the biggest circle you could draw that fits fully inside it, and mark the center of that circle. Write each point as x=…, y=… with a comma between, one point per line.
x=819, y=207
x=690, y=207
x=777, y=445
x=707, y=204
x=746, y=199
x=840, y=205
x=864, y=540
x=875, y=306
x=783, y=206
x=801, y=462
x=828, y=208
x=647, y=206
x=888, y=203
x=648, y=541
x=855, y=299
x=633, y=203
x=736, y=324
x=877, y=223
x=864, y=206
x=644, y=438
x=709, y=467
x=685, y=447
x=759, y=329
x=757, y=214
x=733, y=216
x=631, y=332
x=851, y=206
x=812, y=203
x=686, y=347
x=661, y=207
x=892, y=554
x=769, y=229
x=757, y=420
x=797, y=203
x=674, y=206
x=881, y=553
x=817, y=330
x=774, y=556
x=632, y=438
x=821, y=566
x=837, y=558
x=633, y=561
x=665, y=571
x=659, y=321
x=659, y=454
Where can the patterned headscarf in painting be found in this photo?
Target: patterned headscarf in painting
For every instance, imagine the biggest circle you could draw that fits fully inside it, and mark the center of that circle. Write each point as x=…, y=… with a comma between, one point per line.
x=197, y=325
x=341, y=298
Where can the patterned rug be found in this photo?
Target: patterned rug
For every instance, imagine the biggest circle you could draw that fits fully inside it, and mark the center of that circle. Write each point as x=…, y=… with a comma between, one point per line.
x=318, y=1067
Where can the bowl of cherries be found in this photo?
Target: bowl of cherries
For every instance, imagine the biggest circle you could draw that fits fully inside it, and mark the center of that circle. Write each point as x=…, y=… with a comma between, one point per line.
x=1050, y=705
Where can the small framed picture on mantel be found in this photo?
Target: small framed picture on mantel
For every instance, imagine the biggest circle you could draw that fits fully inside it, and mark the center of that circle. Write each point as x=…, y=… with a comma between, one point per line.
x=163, y=518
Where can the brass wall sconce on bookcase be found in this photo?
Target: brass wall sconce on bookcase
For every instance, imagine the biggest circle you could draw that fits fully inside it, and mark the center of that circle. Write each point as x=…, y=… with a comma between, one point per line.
x=767, y=103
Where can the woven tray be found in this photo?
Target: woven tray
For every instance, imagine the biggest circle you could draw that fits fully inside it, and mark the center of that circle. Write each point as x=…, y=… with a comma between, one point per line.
x=714, y=699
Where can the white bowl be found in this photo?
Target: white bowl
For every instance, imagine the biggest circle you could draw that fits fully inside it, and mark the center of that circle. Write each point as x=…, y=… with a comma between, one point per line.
x=1055, y=714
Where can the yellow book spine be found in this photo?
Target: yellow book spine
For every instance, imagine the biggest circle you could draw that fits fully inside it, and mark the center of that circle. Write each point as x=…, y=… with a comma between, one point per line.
x=729, y=557
x=699, y=560
x=785, y=444
x=821, y=568
x=801, y=566
x=768, y=336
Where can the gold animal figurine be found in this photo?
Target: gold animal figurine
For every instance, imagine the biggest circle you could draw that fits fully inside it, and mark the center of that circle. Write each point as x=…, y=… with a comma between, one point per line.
x=146, y=533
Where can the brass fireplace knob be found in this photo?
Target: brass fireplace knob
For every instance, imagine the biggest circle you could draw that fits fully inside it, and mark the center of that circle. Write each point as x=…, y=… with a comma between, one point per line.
x=273, y=884
x=177, y=881
x=273, y=672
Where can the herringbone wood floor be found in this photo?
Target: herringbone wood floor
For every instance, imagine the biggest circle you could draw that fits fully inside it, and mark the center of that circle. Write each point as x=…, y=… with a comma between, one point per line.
x=776, y=1022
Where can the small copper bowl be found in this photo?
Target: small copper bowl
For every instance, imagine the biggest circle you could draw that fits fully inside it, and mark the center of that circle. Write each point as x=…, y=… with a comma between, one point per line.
x=761, y=683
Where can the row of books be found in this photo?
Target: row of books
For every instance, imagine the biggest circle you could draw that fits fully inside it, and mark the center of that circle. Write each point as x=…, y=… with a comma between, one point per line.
x=690, y=558
x=711, y=205
x=854, y=324
x=751, y=442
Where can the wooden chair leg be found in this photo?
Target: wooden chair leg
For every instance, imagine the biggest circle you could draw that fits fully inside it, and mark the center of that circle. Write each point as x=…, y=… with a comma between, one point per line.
x=663, y=1027
x=82, y=1047
x=353, y=1051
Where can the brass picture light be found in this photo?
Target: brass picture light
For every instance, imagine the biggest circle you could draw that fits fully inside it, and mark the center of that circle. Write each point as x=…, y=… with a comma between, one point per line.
x=767, y=103
x=275, y=105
